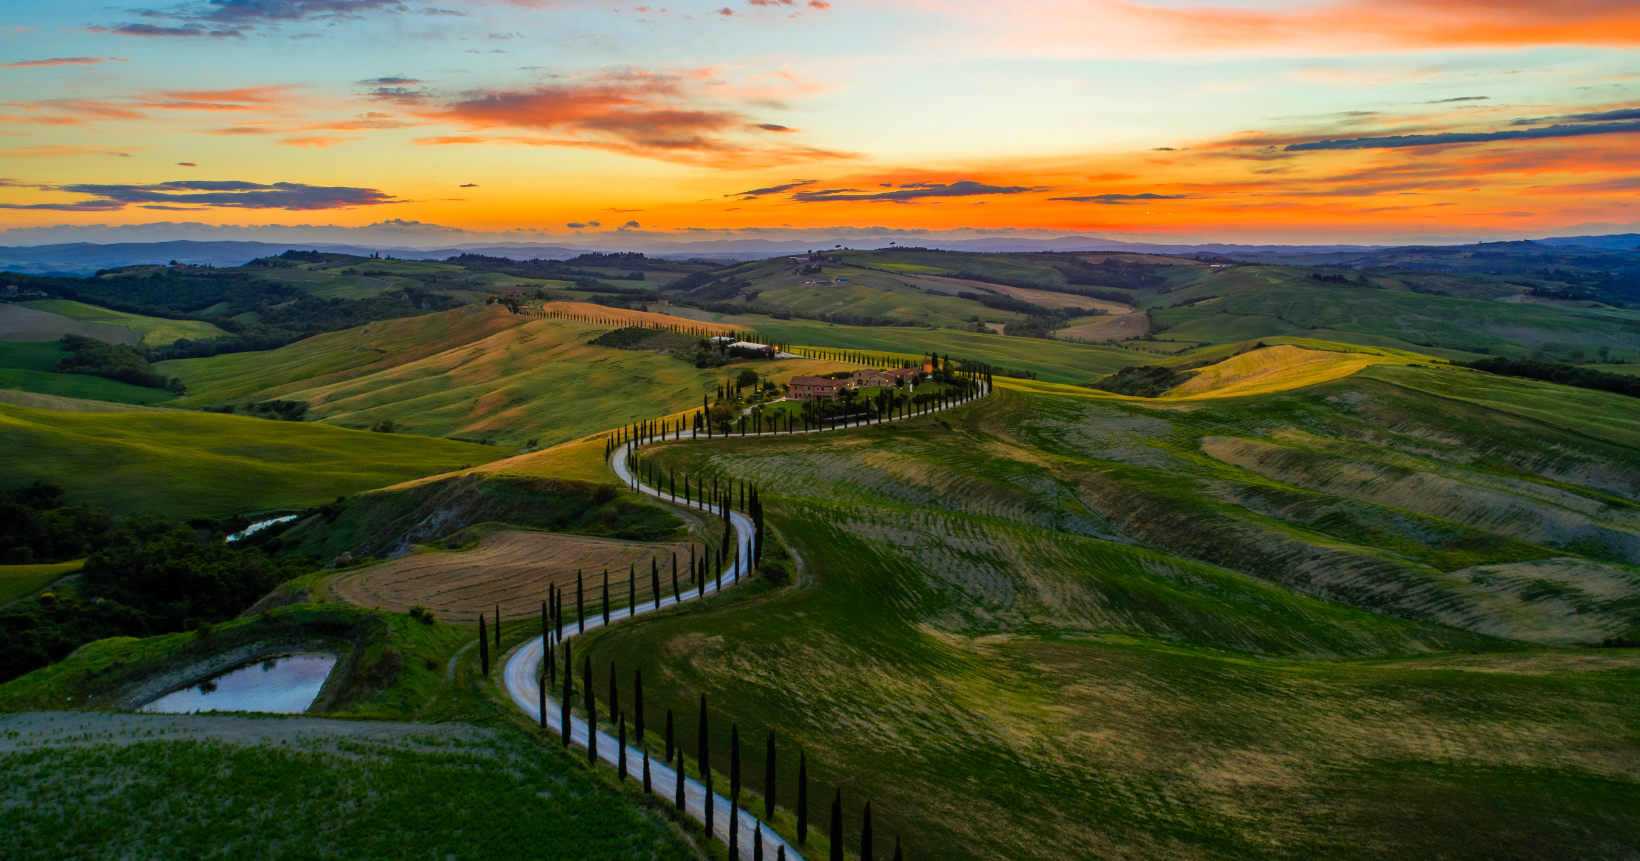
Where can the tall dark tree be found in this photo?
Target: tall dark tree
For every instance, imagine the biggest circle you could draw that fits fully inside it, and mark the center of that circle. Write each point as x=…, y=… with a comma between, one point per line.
x=546, y=625
x=836, y=833
x=655, y=581
x=541, y=689
x=637, y=704
x=483, y=648
x=681, y=780
x=676, y=598
x=866, y=853
x=734, y=763
x=620, y=750
x=631, y=589
x=898, y=855
x=768, y=778
x=569, y=692
x=802, y=798
x=580, y=605
x=606, y=596
x=592, y=710
x=734, y=830
x=757, y=843
x=648, y=787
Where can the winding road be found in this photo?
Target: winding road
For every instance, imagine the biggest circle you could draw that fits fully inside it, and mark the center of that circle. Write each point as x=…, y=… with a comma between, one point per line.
x=523, y=669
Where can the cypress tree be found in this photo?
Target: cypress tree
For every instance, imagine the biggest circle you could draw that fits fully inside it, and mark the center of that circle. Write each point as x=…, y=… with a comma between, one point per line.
x=865, y=835
x=692, y=570
x=546, y=624
x=637, y=704
x=483, y=648
x=757, y=843
x=768, y=778
x=592, y=710
x=734, y=830
x=676, y=599
x=802, y=798
x=837, y=826
x=606, y=596
x=569, y=692
x=580, y=606
x=668, y=735
x=620, y=751
x=655, y=581
x=734, y=764
x=780, y=854
x=647, y=786
x=541, y=689
x=678, y=783
x=898, y=855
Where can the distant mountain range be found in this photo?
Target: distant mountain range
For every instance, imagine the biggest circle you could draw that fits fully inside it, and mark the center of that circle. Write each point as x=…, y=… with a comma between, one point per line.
x=83, y=258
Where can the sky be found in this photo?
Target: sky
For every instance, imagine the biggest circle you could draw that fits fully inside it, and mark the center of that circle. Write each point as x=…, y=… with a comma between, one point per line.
x=1293, y=121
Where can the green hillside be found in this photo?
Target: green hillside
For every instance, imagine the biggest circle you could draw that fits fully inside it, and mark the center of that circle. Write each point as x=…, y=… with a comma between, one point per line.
x=1057, y=620
x=154, y=331
x=31, y=366
x=183, y=464
x=471, y=373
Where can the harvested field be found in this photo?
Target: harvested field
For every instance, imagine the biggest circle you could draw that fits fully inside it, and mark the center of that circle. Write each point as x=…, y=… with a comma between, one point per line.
x=512, y=569
x=635, y=318
x=1045, y=298
x=1097, y=329
x=18, y=323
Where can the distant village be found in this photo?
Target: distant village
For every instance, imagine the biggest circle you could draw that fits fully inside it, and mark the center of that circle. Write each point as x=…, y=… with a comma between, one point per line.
x=811, y=388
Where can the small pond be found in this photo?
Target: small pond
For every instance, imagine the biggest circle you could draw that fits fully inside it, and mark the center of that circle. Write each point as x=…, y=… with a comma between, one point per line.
x=259, y=526
x=279, y=684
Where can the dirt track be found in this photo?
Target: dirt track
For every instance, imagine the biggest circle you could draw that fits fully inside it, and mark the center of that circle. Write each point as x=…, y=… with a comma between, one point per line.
x=512, y=569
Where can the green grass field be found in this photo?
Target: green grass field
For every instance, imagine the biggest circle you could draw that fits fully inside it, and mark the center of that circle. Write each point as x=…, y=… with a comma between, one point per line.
x=19, y=581
x=182, y=464
x=155, y=331
x=30, y=366
x=471, y=373
x=1306, y=623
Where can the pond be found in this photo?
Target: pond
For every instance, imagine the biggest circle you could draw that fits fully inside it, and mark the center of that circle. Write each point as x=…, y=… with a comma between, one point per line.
x=259, y=526
x=278, y=684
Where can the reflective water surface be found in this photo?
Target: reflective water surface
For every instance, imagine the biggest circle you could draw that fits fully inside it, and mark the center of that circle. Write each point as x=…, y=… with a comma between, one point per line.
x=280, y=684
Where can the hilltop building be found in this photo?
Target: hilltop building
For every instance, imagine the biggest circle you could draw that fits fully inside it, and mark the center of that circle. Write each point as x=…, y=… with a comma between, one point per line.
x=815, y=389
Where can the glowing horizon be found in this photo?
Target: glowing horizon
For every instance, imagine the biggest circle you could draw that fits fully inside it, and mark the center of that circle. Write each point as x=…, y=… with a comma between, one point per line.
x=1215, y=120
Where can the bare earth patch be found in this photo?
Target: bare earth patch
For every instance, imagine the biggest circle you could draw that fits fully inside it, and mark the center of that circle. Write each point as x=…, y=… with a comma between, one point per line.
x=512, y=569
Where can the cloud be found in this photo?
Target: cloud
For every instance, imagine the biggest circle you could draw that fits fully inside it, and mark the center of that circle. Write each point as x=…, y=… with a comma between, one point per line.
x=61, y=61
x=237, y=17
x=630, y=225
x=186, y=164
x=1450, y=138
x=773, y=189
x=774, y=127
x=183, y=31
x=1459, y=99
x=54, y=150
x=678, y=116
x=1117, y=199
x=579, y=225
x=231, y=194
x=912, y=192
x=469, y=185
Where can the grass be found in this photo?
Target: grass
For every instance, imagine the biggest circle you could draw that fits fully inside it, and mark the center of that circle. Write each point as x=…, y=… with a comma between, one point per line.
x=182, y=464
x=20, y=581
x=1045, y=626
x=1272, y=369
x=154, y=331
x=448, y=793
x=469, y=374
x=31, y=366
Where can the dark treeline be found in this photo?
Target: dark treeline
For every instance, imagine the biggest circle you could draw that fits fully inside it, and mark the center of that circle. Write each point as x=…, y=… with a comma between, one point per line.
x=1555, y=372
x=115, y=362
x=144, y=576
x=1145, y=381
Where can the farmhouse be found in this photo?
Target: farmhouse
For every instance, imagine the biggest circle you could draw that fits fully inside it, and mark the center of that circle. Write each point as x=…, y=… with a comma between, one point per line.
x=885, y=377
x=815, y=389
x=751, y=350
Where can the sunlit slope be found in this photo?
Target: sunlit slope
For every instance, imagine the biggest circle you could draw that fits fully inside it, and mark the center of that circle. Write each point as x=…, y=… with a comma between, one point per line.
x=154, y=331
x=180, y=463
x=1274, y=369
x=472, y=373
x=1045, y=622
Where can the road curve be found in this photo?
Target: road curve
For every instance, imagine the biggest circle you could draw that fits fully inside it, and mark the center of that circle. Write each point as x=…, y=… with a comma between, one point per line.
x=523, y=669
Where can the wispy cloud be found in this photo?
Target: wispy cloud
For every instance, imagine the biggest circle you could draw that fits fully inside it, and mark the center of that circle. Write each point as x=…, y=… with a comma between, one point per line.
x=196, y=194
x=61, y=61
x=1115, y=199
x=912, y=192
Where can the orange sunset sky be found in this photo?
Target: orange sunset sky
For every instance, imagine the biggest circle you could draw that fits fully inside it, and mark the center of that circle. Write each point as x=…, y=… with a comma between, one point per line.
x=1361, y=121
